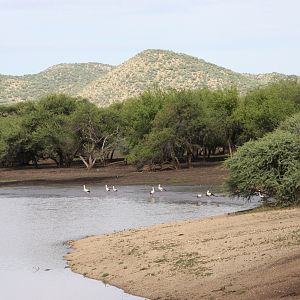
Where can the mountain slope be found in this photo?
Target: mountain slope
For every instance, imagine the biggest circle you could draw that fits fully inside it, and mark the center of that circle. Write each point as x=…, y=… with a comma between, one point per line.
x=105, y=84
x=62, y=78
x=167, y=69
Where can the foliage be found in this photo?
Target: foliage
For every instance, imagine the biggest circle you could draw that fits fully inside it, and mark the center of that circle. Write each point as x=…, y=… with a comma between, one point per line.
x=105, y=84
x=262, y=110
x=153, y=128
x=270, y=164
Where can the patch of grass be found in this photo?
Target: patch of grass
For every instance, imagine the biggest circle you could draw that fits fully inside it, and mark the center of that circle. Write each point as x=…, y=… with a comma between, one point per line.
x=191, y=263
x=166, y=246
x=161, y=260
x=7, y=180
x=265, y=207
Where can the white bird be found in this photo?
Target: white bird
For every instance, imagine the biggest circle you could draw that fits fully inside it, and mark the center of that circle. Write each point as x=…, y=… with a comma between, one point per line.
x=262, y=197
x=85, y=189
x=107, y=188
x=114, y=189
x=152, y=191
x=199, y=195
x=208, y=193
x=161, y=189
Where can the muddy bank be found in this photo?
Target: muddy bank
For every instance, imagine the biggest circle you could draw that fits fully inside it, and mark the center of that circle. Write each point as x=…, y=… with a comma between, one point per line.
x=211, y=173
x=251, y=256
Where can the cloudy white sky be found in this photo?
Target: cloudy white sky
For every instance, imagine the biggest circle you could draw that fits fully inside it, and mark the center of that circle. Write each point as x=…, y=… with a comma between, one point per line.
x=255, y=36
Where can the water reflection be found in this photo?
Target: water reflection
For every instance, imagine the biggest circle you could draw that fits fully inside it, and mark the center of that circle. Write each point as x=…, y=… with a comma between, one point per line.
x=35, y=222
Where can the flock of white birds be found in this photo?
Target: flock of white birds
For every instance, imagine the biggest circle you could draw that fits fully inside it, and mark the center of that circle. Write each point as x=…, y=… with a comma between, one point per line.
x=159, y=188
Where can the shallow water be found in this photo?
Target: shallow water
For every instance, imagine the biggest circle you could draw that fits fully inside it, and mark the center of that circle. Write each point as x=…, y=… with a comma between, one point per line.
x=36, y=221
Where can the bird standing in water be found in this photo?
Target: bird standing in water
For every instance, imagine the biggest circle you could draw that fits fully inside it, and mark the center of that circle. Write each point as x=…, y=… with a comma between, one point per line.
x=86, y=189
x=161, y=189
x=152, y=191
x=208, y=193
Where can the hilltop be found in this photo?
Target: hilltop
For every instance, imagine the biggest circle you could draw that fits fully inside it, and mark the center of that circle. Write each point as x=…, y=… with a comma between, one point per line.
x=105, y=84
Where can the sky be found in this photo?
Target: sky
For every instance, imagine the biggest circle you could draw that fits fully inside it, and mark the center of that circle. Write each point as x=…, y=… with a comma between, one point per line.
x=250, y=36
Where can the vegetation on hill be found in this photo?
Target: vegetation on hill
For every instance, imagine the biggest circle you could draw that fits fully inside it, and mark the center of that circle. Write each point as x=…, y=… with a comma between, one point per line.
x=168, y=70
x=62, y=78
x=105, y=84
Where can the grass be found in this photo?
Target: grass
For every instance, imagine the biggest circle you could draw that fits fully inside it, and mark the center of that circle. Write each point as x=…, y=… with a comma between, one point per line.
x=7, y=180
x=192, y=263
x=264, y=208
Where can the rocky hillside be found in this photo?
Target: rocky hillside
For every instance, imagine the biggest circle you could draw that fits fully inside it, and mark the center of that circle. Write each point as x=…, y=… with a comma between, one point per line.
x=62, y=78
x=105, y=84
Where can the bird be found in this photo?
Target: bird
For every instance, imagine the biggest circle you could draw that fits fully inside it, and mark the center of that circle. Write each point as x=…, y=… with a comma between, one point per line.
x=107, y=188
x=161, y=189
x=199, y=195
x=208, y=193
x=262, y=196
x=152, y=191
x=114, y=189
x=85, y=189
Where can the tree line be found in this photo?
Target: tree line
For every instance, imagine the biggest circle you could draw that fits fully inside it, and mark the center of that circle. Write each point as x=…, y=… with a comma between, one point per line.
x=153, y=128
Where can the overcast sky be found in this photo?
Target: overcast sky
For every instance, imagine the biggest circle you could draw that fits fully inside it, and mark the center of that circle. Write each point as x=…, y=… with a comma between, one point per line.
x=254, y=36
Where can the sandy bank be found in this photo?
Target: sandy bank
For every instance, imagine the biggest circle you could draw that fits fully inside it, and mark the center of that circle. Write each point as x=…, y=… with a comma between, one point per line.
x=252, y=256
x=211, y=173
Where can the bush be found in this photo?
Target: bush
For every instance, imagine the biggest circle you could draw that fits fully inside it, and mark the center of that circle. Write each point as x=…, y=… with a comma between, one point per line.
x=270, y=164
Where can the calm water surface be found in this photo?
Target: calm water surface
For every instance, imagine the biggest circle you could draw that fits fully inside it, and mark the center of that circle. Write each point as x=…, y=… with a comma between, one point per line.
x=36, y=221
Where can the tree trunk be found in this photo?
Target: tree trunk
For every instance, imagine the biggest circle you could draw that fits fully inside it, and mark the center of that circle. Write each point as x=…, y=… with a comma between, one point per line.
x=112, y=155
x=89, y=163
x=229, y=147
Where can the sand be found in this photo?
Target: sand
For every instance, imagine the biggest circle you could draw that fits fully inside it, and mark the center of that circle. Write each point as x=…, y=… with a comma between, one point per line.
x=207, y=173
x=245, y=256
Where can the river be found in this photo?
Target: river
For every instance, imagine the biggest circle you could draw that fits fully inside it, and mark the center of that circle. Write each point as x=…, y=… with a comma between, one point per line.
x=35, y=222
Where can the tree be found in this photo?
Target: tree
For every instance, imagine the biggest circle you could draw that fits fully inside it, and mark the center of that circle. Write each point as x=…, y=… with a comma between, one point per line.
x=49, y=131
x=174, y=133
x=221, y=125
x=138, y=115
x=157, y=148
x=263, y=109
x=97, y=130
x=270, y=164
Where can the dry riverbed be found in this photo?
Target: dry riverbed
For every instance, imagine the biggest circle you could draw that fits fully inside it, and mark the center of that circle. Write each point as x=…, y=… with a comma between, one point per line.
x=247, y=256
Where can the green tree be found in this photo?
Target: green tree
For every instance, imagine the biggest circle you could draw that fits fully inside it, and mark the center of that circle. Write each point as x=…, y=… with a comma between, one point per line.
x=270, y=164
x=97, y=130
x=221, y=125
x=138, y=115
x=262, y=110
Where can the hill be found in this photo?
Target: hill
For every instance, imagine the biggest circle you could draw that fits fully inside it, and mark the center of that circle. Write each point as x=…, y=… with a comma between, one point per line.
x=167, y=69
x=105, y=84
x=61, y=78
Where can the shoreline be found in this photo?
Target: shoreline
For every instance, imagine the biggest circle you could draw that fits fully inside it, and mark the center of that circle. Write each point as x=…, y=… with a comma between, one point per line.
x=236, y=256
x=212, y=173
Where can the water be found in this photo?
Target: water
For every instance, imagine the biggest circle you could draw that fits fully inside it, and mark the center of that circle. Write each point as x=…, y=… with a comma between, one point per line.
x=36, y=221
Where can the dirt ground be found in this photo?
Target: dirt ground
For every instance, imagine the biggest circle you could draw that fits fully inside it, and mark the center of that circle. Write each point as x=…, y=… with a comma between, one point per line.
x=212, y=173
x=248, y=256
